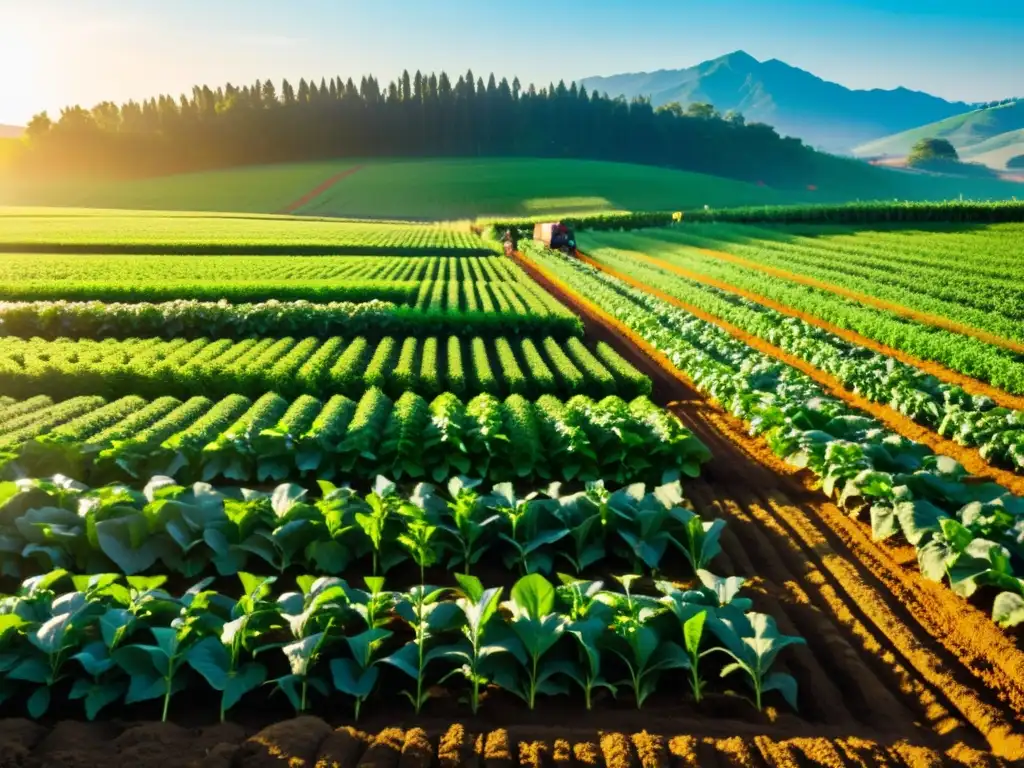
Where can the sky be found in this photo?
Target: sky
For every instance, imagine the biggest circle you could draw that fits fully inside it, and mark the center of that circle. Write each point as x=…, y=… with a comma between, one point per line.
x=59, y=52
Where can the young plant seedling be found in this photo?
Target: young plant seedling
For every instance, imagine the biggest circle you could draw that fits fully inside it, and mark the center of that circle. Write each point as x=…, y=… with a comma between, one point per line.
x=429, y=617
x=538, y=628
x=218, y=659
x=754, y=642
x=479, y=606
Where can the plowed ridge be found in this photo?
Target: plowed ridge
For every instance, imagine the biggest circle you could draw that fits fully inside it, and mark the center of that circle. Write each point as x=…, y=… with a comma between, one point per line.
x=888, y=651
x=970, y=459
x=863, y=298
x=309, y=742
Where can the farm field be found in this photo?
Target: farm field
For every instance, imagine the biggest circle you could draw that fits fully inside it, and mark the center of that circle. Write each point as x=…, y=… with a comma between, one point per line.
x=79, y=230
x=678, y=545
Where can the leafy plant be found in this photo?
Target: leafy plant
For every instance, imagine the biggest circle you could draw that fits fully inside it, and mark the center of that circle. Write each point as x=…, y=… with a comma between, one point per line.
x=479, y=606
x=538, y=628
x=311, y=615
x=429, y=617
x=754, y=642
x=219, y=659
x=527, y=520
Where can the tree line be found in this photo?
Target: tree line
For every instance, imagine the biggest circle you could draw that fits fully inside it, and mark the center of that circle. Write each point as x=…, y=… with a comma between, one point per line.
x=412, y=116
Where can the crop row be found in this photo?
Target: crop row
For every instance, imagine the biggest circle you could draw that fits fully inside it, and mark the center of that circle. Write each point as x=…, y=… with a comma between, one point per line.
x=187, y=318
x=236, y=438
x=465, y=366
x=995, y=305
x=984, y=256
x=967, y=355
x=71, y=269
x=908, y=211
x=104, y=639
x=236, y=292
x=145, y=233
x=199, y=531
x=998, y=433
x=965, y=531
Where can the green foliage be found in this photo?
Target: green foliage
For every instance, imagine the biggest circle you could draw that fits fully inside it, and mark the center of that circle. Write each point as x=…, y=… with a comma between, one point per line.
x=928, y=150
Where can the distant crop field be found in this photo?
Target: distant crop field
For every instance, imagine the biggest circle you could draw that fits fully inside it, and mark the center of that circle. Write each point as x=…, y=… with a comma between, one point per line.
x=172, y=232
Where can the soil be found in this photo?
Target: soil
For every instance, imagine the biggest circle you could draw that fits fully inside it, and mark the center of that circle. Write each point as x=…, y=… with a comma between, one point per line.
x=872, y=301
x=896, y=670
x=314, y=193
x=895, y=421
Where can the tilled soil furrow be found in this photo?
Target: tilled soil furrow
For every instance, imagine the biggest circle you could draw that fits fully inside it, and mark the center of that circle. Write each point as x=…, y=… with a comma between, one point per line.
x=813, y=666
x=942, y=670
x=24, y=744
x=873, y=701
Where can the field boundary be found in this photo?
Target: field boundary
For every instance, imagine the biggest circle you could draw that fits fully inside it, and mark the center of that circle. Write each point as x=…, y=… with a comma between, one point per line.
x=314, y=193
x=926, y=318
x=898, y=423
x=971, y=385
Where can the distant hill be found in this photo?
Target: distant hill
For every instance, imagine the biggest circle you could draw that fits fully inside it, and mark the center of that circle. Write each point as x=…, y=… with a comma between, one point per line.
x=797, y=103
x=990, y=136
x=10, y=131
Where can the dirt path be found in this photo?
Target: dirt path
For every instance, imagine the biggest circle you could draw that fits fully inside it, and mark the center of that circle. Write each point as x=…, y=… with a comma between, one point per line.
x=862, y=298
x=895, y=421
x=970, y=385
x=887, y=649
x=319, y=190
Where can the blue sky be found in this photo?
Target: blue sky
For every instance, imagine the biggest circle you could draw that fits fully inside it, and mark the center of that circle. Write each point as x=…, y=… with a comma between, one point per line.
x=55, y=52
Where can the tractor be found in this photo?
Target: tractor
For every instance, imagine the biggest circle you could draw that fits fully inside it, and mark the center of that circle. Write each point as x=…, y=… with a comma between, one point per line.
x=557, y=236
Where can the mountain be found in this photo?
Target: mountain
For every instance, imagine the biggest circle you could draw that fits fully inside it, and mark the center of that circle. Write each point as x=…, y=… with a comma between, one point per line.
x=10, y=131
x=797, y=103
x=990, y=136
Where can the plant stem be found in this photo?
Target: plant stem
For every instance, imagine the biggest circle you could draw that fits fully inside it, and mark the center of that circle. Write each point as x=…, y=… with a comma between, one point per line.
x=533, y=682
x=696, y=680
x=302, y=700
x=167, y=700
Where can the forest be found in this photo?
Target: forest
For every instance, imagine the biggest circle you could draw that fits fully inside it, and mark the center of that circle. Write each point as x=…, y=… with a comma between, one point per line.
x=415, y=115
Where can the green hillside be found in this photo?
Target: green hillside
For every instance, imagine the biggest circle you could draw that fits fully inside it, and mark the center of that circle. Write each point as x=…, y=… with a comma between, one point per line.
x=973, y=134
x=448, y=189
x=252, y=189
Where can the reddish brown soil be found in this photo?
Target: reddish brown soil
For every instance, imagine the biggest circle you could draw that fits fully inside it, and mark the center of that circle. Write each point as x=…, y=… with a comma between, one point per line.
x=970, y=385
x=894, y=420
x=862, y=298
x=314, y=193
